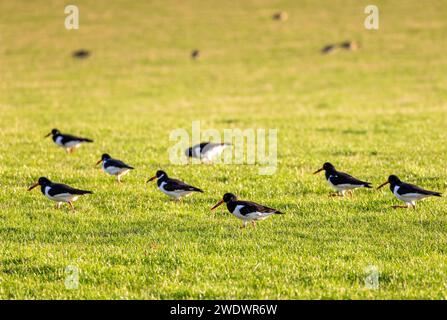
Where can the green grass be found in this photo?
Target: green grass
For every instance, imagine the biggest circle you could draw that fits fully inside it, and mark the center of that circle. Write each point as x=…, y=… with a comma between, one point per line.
x=373, y=112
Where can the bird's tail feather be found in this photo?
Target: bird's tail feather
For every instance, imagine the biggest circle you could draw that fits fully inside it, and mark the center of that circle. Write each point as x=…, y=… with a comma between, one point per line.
x=84, y=192
x=87, y=140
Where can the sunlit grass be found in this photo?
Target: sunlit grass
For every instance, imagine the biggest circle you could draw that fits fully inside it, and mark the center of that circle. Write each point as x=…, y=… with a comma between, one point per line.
x=373, y=112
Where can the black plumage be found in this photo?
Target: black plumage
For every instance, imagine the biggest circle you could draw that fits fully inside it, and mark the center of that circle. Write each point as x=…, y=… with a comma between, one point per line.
x=67, y=141
x=341, y=178
x=59, y=192
x=407, y=188
x=246, y=210
x=250, y=207
x=81, y=54
x=173, y=184
x=174, y=188
x=108, y=161
x=406, y=192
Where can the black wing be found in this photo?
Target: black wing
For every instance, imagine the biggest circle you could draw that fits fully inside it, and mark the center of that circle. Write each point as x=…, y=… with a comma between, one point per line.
x=174, y=185
x=344, y=178
x=116, y=163
x=67, y=138
x=249, y=207
x=59, y=188
x=405, y=188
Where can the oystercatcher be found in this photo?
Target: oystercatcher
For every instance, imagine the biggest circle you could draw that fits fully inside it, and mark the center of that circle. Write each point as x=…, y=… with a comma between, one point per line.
x=340, y=181
x=349, y=45
x=206, y=151
x=114, y=167
x=172, y=187
x=406, y=192
x=66, y=141
x=330, y=48
x=195, y=54
x=81, y=54
x=281, y=16
x=246, y=210
x=58, y=192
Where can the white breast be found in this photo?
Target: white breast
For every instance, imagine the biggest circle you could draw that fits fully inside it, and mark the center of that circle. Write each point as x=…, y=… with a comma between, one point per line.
x=408, y=197
x=213, y=152
x=174, y=194
x=70, y=144
x=114, y=171
x=251, y=216
x=61, y=197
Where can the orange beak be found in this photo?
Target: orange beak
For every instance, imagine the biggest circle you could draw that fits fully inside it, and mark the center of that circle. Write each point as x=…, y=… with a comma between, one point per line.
x=319, y=170
x=151, y=179
x=48, y=135
x=33, y=186
x=382, y=185
x=217, y=204
x=98, y=162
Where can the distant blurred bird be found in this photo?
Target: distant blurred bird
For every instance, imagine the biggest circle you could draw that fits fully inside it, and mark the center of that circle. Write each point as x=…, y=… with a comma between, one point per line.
x=58, y=192
x=406, y=192
x=66, y=141
x=206, y=151
x=246, y=210
x=81, y=54
x=174, y=188
x=195, y=54
x=330, y=48
x=349, y=45
x=114, y=167
x=281, y=16
x=340, y=181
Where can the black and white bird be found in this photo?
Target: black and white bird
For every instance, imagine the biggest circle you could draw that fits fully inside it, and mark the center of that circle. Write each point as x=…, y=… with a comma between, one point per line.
x=114, y=167
x=207, y=152
x=67, y=141
x=245, y=210
x=406, y=192
x=58, y=192
x=174, y=188
x=195, y=54
x=341, y=182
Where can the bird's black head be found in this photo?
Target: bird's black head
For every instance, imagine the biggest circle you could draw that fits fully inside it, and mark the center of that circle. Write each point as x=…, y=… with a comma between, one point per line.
x=393, y=180
x=161, y=174
x=327, y=166
x=53, y=132
x=43, y=181
x=105, y=156
x=228, y=197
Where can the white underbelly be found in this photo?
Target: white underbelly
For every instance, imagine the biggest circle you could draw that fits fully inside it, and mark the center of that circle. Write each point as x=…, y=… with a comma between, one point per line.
x=408, y=197
x=114, y=171
x=342, y=187
x=251, y=216
x=174, y=194
x=212, y=153
x=70, y=144
x=62, y=197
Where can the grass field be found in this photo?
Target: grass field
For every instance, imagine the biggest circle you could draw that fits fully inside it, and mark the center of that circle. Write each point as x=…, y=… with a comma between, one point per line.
x=373, y=112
